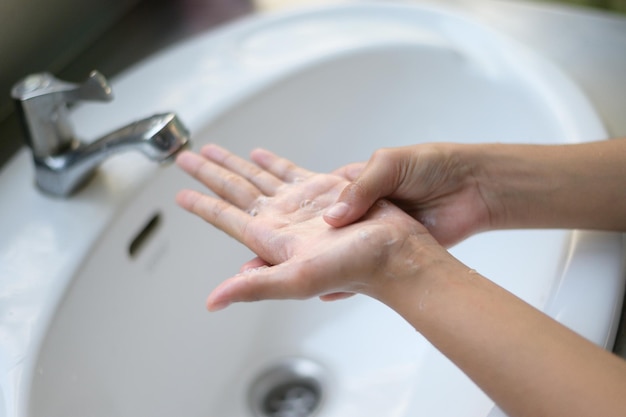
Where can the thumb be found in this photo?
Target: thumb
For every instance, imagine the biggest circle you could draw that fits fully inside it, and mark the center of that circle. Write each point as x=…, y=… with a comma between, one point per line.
x=378, y=179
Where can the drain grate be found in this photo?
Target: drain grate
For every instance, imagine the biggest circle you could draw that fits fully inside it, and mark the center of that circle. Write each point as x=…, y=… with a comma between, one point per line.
x=290, y=388
x=293, y=399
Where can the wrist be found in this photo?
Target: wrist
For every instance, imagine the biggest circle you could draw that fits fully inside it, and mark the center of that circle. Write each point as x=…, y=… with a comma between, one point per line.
x=515, y=182
x=554, y=186
x=413, y=274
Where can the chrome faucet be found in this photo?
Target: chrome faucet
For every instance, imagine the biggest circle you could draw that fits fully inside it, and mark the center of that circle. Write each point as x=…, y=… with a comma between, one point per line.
x=62, y=162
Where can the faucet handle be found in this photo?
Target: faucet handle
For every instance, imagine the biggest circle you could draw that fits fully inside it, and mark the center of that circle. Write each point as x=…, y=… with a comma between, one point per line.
x=42, y=100
x=95, y=88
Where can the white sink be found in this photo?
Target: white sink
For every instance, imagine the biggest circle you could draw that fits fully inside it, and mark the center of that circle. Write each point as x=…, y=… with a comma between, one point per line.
x=87, y=328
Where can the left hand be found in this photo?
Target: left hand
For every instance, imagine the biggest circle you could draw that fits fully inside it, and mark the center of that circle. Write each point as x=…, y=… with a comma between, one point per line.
x=275, y=208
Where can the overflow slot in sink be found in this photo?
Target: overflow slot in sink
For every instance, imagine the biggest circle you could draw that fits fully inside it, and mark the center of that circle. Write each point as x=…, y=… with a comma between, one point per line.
x=144, y=235
x=293, y=387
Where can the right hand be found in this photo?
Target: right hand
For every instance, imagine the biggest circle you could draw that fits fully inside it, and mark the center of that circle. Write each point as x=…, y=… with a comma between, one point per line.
x=434, y=183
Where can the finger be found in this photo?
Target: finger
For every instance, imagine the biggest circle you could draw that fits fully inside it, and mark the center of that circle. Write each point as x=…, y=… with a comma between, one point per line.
x=283, y=281
x=219, y=213
x=351, y=171
x=378, y=179
x=251, y=285
x=280, y=167
x=336, y=296
x=252, y=264
x=223, y=182
x=262, y=179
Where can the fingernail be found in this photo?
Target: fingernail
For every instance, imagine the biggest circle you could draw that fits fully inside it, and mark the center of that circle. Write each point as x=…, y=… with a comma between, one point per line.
x=338, y=210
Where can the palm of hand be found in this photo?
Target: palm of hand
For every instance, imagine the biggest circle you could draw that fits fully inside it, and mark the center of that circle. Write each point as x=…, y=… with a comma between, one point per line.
x=275, y=208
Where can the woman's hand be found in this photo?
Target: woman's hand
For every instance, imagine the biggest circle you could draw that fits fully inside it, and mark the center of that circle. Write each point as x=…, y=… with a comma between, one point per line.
x=457, y=190
x=434, y=183
x=275, y=208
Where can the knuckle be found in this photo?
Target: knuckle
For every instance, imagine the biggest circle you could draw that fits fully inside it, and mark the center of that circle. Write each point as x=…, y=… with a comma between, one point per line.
x=214, y=211
x=384, y=156
x=230, y=181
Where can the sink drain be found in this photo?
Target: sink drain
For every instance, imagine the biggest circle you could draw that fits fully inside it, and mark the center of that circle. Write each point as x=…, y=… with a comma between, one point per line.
x=290, y=388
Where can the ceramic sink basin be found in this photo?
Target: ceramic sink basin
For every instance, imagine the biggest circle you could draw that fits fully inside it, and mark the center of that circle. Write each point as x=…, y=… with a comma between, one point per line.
x=102, y=294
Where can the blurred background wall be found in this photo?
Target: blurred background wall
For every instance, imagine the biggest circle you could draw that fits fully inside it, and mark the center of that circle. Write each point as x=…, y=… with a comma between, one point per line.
x=615, y=5
x=71, y=37
x=47, y=34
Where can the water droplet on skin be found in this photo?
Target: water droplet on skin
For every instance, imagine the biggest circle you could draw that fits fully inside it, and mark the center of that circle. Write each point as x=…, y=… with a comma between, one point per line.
x=423, y=300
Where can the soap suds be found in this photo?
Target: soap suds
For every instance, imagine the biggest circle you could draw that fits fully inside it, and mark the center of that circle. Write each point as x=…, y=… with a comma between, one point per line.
x=253, y=270
x=258, y=203
x=411, y=265
x=309, y=205
x=428, y=221
x=390, y=274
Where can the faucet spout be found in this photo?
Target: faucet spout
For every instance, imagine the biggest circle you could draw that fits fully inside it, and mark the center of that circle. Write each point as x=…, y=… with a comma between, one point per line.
x=159, y=137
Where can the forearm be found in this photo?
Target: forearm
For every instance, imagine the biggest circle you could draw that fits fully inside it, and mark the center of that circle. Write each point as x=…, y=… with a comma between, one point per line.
x=553, y=186
x=527, y=363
